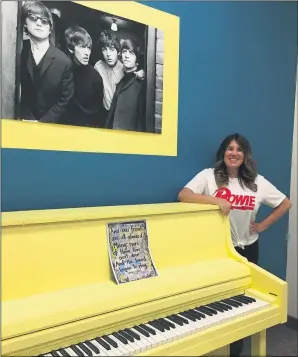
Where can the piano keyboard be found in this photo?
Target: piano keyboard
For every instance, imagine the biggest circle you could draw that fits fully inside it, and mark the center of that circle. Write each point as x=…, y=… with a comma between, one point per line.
x=131, y=341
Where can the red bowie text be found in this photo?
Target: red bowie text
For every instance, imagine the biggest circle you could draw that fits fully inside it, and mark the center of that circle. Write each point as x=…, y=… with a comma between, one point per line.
x=242, y=202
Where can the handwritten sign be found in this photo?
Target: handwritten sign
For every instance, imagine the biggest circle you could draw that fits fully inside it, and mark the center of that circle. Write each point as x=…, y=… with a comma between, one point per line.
x=129, y=251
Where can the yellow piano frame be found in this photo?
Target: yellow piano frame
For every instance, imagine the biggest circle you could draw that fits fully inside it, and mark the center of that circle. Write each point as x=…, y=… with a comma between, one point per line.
x=58, y=288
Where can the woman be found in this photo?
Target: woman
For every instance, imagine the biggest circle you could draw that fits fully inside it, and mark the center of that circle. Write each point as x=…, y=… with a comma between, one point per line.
x=236, y=187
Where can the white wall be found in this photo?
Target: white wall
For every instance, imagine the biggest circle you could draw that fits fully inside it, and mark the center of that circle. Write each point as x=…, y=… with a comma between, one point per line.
x=292, y=242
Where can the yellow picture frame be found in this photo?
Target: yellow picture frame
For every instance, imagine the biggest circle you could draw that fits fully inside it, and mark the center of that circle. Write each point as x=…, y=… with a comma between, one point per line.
x=41, y=136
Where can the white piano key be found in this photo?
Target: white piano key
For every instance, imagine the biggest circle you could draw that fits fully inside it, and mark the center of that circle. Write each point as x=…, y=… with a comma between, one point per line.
x=120, y=350
x=146, y=344
x=179, y=330
x=155, y=341
x=126, y=350
x=191, y=326
x=136, y=347
x=100, y=347
x=105, y=352
x=93, y=352
x=150, y=342
x=70, y=351
x=83, y=353
x=158, y=336
x=172, y=334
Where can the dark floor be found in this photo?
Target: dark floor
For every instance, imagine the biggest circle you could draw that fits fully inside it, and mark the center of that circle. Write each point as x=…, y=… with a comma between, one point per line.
x=281, y=341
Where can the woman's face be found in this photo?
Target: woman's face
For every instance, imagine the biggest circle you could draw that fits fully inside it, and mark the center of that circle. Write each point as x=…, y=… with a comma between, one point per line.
x=234, y=156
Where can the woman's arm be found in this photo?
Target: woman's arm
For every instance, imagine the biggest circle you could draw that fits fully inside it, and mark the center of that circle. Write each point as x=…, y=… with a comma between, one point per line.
x=277, y=213
x=187, y=195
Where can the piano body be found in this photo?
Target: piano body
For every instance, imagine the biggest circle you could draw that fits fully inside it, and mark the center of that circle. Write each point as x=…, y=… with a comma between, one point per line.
x=59, y=297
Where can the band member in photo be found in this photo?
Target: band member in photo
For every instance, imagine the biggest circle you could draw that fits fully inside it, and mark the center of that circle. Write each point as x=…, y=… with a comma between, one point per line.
x=110, y=68
x=86, y=106
x=127, y=111
x=46, y=72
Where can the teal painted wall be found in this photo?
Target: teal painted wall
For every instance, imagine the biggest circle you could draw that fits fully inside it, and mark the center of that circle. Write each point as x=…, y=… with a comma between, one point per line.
x=237, y=73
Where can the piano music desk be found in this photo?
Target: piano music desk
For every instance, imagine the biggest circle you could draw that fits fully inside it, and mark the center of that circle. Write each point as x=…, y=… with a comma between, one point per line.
x=58, y=288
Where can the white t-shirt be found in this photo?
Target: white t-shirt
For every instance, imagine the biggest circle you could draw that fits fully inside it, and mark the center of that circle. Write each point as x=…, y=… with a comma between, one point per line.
x=245, y=203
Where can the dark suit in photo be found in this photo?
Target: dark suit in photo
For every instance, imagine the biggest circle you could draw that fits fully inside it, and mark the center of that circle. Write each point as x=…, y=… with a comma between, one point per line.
x=86, y=105
x=46, y=88
x=128, y=107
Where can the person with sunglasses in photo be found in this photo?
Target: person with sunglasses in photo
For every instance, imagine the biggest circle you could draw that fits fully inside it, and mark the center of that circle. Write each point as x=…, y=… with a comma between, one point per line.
x=47, y=84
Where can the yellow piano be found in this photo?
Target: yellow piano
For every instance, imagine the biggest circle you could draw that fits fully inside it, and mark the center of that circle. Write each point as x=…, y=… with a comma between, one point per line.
x=59, y=296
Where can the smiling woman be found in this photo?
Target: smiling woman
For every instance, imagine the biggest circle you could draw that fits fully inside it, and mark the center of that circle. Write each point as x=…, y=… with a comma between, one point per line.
x=236, y=187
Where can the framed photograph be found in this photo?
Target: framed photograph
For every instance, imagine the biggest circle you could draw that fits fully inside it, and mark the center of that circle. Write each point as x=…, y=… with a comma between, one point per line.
x=89, y=76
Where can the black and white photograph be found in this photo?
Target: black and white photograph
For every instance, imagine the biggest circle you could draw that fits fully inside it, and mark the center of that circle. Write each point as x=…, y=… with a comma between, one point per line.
x=68, y=64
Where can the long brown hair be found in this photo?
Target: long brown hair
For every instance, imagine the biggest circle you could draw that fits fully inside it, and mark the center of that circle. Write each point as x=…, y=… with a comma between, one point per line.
x=247, y=172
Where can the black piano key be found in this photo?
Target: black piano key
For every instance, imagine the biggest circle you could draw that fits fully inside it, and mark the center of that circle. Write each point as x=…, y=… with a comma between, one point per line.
x=169, y=323
x=186, y=315
x=85, y=349
x=164, y=324
x=190, y=313
x=76, y=350
x=183, y=319
x=195, y=313
x=215, y=307
x=120, y=338
x=55, y=353
x=204, y=311
x=226, y=306
x=236, y=301
x=157, y=325
x=92, y=346
x=133, y=334
x=248, y=298
x=148, y=329
x=63, y=352
x=231, y=303
x=142, y=331
x=198, y=313
x=241, y=296
x=214, y=311
x=237, y=298
x=103, y=343
x=109, y=341
x=175, y=320
x=126, y=335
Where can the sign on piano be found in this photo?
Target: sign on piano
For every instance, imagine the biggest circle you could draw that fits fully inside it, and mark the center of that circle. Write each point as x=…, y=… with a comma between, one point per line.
x=129, y=251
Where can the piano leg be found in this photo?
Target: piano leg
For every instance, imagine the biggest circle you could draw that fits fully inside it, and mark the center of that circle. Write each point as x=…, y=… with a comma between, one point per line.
x=258, y=344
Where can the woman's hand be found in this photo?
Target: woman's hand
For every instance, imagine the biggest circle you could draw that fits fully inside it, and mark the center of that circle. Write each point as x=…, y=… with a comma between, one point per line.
x=255, y=227
x=224, y=205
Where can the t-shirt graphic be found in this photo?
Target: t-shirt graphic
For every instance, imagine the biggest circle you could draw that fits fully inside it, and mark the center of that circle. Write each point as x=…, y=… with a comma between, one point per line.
x=239, y=202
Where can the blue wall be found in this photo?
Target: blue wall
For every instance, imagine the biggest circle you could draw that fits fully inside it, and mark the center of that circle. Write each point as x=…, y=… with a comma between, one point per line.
x=237, y=73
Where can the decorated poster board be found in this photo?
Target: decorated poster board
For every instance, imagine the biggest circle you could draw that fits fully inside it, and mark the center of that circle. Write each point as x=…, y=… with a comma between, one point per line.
x=129, y=251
